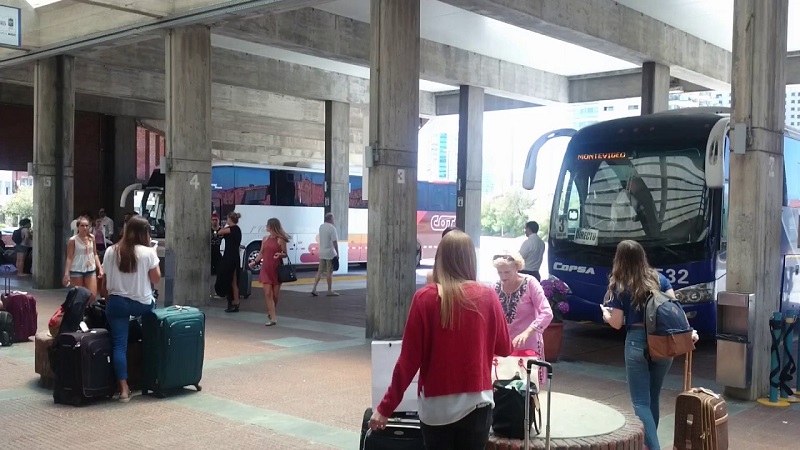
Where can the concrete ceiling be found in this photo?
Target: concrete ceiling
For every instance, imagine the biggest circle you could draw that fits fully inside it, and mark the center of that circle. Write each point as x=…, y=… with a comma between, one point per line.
x=711, y=20
x=446, y=24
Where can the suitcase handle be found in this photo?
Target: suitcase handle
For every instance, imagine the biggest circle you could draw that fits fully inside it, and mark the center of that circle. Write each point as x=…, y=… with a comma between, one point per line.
x=540, y=363
x=549, y=367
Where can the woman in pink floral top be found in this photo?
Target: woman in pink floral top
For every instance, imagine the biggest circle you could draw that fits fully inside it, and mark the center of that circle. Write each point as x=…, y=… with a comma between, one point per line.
x=527, y=310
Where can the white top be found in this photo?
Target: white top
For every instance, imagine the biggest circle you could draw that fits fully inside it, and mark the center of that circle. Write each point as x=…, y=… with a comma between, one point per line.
x=135, y=286
x=108, y=226
x=447, y=409
x=327, y=236
x=532, y=251
x=83, y=257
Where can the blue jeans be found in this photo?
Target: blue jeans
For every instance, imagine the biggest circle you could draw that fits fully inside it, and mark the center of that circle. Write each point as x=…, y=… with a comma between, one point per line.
x=118, y=313
x=645, y=379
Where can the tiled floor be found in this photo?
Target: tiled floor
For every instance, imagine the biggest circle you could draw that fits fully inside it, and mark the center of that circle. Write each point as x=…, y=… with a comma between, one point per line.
x=305, y=384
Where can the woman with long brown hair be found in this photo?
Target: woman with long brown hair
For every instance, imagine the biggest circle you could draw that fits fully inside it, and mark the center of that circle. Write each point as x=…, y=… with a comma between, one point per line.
x=273, y=250
x=132, y=269
x=456, y=322
x=83, y=266
x=229, y=269
x=629, y=286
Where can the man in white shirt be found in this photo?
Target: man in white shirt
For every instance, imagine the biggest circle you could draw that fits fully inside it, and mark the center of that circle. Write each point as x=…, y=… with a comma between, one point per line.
x=328, y=252
x=532, y=250
x=107, y=222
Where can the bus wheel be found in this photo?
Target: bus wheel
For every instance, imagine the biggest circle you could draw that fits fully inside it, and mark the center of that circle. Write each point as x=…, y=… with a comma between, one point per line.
x=252, y=254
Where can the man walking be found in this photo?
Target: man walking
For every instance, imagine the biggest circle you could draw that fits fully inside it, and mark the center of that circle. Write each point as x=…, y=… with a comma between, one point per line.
x=532, y=250
x=328, y=252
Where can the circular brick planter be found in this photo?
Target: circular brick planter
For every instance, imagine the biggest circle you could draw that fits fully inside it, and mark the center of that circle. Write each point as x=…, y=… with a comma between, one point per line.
x=627, y=435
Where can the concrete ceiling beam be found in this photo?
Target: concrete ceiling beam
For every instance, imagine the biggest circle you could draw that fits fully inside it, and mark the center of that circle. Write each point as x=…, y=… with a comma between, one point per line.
x=325, y=35
x=19, y=94
x=610, y=28
x=254, y=72
x=447, y=103
x=69, y=26
x=628, y=83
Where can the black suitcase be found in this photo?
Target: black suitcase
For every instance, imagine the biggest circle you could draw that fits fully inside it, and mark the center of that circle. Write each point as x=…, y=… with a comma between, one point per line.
x=82, y=364
x=245, y=279
x=402, y=432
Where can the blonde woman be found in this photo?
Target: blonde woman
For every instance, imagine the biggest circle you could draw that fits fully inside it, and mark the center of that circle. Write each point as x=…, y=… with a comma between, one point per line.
x=273, y=250
x=456, y=322
x=527, y=310
x=83, y=266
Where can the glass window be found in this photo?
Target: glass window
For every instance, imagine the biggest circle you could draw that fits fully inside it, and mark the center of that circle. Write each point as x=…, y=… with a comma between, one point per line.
x=644, y=193
x=310, y=189
x=791, y=159
x=356, y=189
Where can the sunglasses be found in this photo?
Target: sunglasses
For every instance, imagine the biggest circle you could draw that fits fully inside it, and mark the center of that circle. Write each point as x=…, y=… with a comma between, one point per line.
x=508, y=258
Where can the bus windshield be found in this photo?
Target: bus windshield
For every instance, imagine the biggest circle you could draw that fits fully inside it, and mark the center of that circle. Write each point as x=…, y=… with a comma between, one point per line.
x=649, y=193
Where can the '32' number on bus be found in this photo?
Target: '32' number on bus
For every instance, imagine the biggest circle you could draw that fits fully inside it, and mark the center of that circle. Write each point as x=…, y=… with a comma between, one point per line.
x=678, y=277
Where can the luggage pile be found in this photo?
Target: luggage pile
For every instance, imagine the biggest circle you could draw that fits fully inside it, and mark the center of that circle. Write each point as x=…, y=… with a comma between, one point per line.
x=513, y=416
x=165, y=350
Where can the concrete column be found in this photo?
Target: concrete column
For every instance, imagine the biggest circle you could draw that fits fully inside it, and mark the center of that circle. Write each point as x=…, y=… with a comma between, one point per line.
x=124, y=166
x=188, y=164
x=53, y=153
x=394, y=128
x=470, y=161
x=655, y=87
x=754, y=230
x=337, y=171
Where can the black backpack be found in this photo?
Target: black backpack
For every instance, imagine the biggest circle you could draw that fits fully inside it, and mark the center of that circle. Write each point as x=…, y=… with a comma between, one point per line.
x=17, y=236
x=6, y=329
x=74, y=309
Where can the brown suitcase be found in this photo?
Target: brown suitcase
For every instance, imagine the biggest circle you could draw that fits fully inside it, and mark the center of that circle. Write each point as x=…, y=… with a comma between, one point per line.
x=701, y=416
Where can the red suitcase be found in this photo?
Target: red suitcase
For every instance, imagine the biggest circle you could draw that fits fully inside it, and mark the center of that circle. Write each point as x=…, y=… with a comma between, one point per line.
x=22, y=308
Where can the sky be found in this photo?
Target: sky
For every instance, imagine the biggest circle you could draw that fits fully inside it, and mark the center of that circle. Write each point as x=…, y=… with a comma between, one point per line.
x=508, y=136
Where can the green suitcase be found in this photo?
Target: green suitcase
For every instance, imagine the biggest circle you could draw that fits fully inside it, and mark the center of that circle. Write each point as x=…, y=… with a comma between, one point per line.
x=174, y=344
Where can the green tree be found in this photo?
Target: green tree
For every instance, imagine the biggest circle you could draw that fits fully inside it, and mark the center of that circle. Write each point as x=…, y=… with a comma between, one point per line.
x=506, y=214
x=19, y=206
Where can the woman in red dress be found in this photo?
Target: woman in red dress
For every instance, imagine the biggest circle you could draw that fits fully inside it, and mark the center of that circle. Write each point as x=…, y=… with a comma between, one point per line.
x=273, y=250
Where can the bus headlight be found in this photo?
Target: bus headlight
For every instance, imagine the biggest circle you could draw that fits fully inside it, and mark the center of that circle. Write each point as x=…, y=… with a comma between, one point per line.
x=698, y=293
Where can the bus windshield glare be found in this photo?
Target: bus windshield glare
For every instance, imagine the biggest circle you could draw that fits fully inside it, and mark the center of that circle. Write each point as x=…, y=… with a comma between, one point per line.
x=644, y=192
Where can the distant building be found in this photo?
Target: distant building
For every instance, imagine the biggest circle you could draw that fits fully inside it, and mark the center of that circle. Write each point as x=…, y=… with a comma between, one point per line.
x=588, y=113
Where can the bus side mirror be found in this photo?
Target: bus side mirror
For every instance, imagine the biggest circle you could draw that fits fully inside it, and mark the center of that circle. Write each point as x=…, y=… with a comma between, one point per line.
x=529, y=173
x=715, y=154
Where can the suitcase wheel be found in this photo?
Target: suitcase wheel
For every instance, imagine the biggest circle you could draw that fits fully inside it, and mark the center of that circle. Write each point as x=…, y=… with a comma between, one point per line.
x=145, y=391
x=56, y=397
x=76, y=401
x=198, y=387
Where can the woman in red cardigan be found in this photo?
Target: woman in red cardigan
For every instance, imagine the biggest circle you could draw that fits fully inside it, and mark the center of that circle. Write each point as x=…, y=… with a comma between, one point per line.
x=454, y=329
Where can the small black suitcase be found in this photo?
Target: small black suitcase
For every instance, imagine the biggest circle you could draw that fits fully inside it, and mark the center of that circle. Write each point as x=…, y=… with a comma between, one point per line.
x=402, y=432
x=82, y=364
x=245, y=279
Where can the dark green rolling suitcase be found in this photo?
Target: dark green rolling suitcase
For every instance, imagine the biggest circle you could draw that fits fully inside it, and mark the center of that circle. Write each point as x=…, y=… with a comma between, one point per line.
x=174, y=345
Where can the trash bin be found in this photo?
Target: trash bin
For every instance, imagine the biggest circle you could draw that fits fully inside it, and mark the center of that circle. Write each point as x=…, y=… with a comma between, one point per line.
x=735, y=328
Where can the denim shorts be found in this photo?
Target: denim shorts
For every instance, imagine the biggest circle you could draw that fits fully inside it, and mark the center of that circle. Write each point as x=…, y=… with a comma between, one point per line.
x=74, y=274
